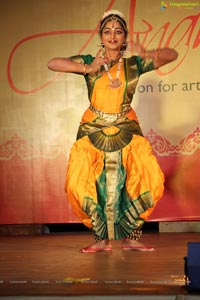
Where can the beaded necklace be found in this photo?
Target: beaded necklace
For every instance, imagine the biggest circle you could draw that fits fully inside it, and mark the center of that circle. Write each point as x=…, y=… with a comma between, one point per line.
x=114, y=83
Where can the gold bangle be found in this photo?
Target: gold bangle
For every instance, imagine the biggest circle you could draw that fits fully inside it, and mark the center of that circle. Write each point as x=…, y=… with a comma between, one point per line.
x=85, y=70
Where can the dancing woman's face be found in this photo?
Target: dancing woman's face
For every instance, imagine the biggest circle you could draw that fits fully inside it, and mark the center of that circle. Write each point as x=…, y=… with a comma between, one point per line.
x=113, y=35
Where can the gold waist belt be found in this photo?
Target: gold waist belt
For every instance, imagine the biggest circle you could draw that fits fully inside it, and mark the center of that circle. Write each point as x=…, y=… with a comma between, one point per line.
x=108, y=116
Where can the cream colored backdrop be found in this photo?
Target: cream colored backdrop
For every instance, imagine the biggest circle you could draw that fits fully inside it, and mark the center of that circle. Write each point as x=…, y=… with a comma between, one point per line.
x=40, y=110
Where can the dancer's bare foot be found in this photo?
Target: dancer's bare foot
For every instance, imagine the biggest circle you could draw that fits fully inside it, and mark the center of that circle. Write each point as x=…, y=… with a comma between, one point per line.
x=128, y=244
x=103, y=245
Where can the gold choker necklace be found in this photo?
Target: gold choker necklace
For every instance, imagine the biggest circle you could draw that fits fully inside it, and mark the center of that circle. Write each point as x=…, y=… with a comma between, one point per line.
x=114, y=83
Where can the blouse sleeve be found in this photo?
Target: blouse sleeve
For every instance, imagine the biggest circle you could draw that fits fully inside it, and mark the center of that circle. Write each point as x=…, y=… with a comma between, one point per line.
x=82, y=59
x=144, y=65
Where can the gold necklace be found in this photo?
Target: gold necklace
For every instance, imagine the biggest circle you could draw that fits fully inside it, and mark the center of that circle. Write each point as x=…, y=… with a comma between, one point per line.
x=114, y=83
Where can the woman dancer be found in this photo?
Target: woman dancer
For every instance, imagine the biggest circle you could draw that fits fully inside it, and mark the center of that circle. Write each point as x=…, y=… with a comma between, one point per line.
x=113, y=179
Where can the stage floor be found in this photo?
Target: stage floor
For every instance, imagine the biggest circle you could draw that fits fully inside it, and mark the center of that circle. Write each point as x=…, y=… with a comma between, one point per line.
x=52, y=265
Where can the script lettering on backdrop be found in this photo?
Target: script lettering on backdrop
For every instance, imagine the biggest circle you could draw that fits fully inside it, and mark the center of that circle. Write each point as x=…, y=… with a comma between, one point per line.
x=165, y=32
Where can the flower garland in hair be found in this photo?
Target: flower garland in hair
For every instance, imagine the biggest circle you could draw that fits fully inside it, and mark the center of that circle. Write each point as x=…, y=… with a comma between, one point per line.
x=112, y=12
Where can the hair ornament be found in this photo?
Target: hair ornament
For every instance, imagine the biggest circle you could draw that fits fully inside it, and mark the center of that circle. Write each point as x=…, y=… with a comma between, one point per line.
x=114, y=16
x=112, y=12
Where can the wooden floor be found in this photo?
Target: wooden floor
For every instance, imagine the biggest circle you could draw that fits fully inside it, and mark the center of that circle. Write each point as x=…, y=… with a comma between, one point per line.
x=52, y=265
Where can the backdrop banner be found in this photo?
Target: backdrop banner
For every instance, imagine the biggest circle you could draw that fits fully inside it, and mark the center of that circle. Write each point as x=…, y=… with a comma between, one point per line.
x=40, y=110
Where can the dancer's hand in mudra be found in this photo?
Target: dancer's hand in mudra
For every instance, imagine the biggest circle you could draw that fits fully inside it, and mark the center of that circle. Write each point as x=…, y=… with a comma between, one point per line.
x=99, y=61
x=138, y=48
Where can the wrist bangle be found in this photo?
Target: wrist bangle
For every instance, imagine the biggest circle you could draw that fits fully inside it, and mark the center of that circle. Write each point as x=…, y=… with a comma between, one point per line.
x=86, y=69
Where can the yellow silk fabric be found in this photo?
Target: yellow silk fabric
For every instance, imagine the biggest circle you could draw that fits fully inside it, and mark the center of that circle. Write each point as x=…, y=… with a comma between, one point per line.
x=85, y=166
x=108, y=99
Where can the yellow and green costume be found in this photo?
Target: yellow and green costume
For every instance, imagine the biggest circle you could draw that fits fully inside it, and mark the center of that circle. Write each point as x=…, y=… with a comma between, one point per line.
x=113, y=179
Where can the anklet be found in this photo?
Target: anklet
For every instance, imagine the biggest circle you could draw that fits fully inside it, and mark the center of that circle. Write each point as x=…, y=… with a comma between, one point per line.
x=135, y=235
